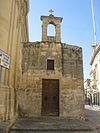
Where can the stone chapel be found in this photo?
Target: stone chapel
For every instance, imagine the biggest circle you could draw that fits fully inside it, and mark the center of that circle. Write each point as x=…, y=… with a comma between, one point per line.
x=52, y=76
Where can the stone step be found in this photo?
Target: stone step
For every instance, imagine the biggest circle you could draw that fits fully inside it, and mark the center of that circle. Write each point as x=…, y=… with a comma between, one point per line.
x=50, y=131
x=50, y=125
x=28, y=131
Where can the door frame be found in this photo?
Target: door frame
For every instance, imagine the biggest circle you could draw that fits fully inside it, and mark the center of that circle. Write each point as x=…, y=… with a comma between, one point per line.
x=42, y=99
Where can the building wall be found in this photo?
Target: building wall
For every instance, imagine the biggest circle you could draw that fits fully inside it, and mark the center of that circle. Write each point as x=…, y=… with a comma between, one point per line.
x=13, y=31
x=87, y=91
x=68, y=69
x=95, y=75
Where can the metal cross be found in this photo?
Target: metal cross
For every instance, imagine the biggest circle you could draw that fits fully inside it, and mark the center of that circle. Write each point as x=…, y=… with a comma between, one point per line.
x=51, y=11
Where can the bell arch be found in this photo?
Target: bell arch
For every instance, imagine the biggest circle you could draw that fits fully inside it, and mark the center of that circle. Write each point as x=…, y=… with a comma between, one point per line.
x=47, y=20
x=51, y=30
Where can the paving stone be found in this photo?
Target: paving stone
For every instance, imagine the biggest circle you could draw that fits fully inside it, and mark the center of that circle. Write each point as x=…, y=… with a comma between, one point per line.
x=50, y=125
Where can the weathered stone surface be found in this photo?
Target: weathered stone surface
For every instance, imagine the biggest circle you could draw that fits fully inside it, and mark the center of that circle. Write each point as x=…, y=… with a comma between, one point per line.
x=68, y=69
x=34, y=69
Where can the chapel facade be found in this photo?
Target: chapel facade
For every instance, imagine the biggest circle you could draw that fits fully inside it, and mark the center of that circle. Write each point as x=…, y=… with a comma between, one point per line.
x=52, y=76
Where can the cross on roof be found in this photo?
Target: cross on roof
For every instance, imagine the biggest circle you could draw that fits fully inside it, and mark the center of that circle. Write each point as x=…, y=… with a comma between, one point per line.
x=51, y=11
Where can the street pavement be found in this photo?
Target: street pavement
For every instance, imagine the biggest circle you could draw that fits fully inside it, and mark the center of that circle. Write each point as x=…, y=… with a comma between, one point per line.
x=93, y=116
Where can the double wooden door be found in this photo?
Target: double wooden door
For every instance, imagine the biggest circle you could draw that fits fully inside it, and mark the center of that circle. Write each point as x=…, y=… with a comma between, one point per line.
x=50, y=97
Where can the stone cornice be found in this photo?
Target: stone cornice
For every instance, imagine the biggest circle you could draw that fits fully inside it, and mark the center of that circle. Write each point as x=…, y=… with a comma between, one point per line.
x=52, y=17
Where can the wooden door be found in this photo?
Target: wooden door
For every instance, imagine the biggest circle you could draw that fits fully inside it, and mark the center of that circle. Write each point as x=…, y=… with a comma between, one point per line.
x=50, y=97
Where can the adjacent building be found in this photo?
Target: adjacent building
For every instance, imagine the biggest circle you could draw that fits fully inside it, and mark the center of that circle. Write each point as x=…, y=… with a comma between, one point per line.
x=95, y=74
x=13, y=32
x=87, y=91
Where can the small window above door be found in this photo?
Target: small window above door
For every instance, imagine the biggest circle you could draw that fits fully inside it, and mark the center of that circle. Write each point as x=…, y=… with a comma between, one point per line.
x=50, y=64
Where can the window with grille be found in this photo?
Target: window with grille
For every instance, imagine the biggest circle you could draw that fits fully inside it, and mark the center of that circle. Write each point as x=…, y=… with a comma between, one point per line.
x=50, y=64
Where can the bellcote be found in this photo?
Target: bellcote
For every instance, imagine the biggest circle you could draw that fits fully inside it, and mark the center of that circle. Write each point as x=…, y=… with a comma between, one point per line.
x=51, y=19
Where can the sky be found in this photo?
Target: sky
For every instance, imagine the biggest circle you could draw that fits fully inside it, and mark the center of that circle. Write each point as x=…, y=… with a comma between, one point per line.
x=76, y=27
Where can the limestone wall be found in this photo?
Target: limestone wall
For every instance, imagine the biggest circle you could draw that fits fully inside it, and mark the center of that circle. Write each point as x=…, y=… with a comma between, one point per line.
x=30, y=95
x=7, y=104
x=34, y=69
x=72, y=62
x=13, y=31
x=35, y=56
x=71, y=98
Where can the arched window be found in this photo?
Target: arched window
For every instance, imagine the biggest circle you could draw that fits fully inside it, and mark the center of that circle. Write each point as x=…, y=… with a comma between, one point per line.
x=51, y=30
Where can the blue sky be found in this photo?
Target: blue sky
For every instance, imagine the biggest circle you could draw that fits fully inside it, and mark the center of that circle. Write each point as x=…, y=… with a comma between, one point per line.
x=76, y=27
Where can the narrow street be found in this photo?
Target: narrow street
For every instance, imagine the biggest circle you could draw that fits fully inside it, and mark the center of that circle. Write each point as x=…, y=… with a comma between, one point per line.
x=93, y=116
